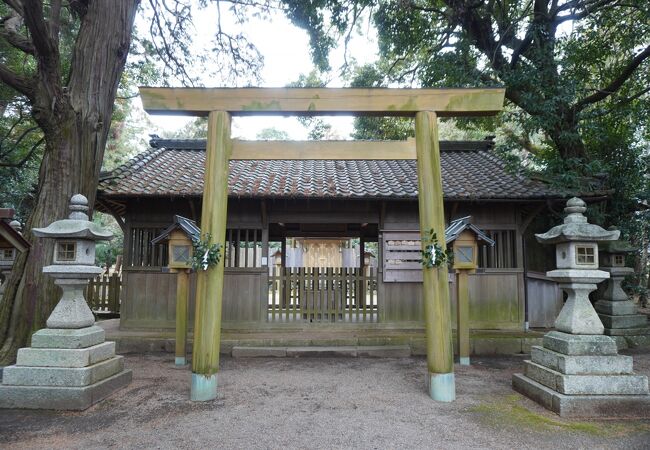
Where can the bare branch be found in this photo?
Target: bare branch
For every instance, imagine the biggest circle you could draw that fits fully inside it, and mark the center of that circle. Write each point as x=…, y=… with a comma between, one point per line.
x=615, y=84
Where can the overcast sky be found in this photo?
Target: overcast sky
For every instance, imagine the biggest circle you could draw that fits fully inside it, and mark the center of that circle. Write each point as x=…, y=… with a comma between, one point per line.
x=286, y=56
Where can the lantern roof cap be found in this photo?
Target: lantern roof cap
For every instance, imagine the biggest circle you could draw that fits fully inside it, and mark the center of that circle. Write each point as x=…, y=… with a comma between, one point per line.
x=76, y=225
x=618, y=246
x=184, y=224
x=456, y=227
x=576, y=227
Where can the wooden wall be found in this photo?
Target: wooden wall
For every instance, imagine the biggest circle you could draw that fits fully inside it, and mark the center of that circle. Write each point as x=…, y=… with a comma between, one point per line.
x=495, y=301
x=496, y=295
x=149, y=298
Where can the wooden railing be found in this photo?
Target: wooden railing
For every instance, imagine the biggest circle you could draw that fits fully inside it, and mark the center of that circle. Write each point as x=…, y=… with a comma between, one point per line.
x=103, y=294
x=322, y=295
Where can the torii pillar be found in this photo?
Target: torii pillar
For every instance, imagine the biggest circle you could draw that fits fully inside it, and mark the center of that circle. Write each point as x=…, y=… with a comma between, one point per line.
x=423, y=104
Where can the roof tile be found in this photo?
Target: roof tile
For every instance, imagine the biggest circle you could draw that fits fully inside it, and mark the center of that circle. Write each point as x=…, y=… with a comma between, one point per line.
x=470, y=170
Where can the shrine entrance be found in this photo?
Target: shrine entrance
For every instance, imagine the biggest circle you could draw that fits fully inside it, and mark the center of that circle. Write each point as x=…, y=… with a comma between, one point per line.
x=426, y=105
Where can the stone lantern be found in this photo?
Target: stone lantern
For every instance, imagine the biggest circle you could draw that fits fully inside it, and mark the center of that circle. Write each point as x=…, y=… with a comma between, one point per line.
x=617, y=312
x=69, y=365
x=577, y=371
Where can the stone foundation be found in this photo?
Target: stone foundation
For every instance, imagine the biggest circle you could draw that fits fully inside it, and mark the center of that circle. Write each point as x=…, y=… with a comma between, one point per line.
x=64, y=369
x=583, y=376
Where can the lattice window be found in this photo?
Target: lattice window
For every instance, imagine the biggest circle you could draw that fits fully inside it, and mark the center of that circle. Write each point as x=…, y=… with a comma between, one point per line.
x=142, y=253
x=504, y=253
x=66, y=251
x=585, y=256
x=243, y=247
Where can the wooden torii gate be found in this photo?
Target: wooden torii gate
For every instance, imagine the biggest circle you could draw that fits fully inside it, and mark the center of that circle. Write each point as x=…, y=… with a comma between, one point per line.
x=219, y=104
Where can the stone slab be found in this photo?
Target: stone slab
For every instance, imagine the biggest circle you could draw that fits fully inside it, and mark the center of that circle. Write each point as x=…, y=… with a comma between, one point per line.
x=638, y=341
x=64, y=398
x=628, y=384
x=62, y=376
x=66, y=338
x=582, y=365
x=576, y=344
x=68, y=357
x=632, y=406
x=644, y=331
x=322, y=351
x=615, y=308
x=496, y=346
x=259, y=352
x=629, y=321
x=384, y=351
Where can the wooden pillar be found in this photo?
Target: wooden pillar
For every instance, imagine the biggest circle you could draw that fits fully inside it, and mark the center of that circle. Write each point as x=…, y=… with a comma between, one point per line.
x=462, y=316
x=209, y=288
x=182, y=294
x=361, y=296
x=437, y=318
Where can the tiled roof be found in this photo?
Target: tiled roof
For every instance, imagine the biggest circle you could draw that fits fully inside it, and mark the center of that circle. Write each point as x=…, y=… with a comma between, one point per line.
x=470, y=170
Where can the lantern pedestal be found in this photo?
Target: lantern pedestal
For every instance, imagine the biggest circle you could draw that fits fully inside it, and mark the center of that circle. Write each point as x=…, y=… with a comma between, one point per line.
x=578, y=372
x=616, y=311
x=69, y=365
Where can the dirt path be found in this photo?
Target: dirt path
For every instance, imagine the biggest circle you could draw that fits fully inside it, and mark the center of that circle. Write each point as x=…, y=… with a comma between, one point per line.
x=318, y=403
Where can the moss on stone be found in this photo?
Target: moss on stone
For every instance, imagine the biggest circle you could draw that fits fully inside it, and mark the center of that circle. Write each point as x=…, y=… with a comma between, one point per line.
x=509, y=411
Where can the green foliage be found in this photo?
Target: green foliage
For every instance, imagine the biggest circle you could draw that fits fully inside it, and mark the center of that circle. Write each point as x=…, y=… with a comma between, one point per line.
x=106, y=252
x=434, y=255
x=317, y=128
x=205, y=254
x=272, y=134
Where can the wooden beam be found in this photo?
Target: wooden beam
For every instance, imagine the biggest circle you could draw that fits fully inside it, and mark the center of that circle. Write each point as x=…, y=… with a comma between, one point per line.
x=462, y=315
x=332, y=150
x=322, y=101
x=209, y=285
x=437, y=314
x=182, y=294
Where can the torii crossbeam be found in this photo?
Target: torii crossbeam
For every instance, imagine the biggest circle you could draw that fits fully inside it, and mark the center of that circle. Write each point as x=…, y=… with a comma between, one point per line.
x=219, y=104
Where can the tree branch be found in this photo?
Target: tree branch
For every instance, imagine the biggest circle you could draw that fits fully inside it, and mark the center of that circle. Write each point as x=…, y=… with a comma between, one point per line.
x=16, y=82
x=27, y=156
x=9, y=30
x=54, y=23
x=46, y=50
x=615, y=84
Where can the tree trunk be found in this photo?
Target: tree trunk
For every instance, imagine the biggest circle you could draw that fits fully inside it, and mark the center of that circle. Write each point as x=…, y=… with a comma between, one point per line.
x=75, y=122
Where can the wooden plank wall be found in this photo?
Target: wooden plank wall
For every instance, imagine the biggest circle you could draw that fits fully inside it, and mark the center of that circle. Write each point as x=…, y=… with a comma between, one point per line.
x=545, y=300
x=149, y=298
x=495, y=301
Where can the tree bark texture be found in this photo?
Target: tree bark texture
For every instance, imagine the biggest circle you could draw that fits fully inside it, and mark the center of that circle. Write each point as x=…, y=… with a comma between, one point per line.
x=75, y=120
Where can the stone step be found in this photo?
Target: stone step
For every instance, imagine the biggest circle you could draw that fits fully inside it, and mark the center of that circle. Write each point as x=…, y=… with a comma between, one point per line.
x=636, y=406
x=62, y=376
x=645, y=331
x=628, y=321
x=587, y=384
x=380, y=351
x=65, y=357
x=615, y=308
x=68, y=398
x=577, y=344
x=65, y=338
x=582, y=365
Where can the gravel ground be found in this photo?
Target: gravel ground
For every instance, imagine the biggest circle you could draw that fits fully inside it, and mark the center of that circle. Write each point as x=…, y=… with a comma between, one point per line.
x=318, y=403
